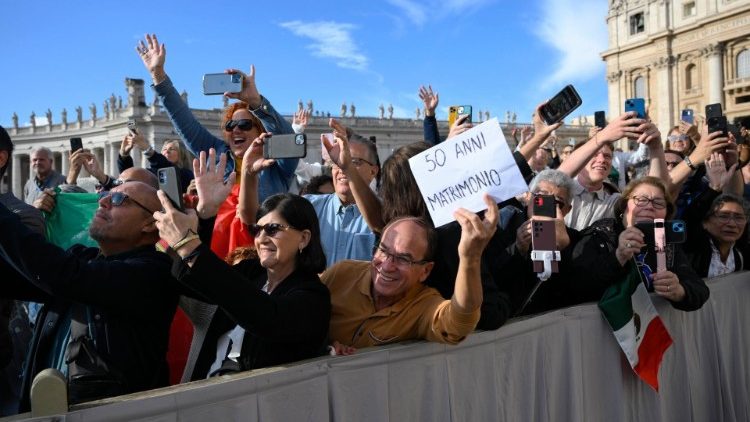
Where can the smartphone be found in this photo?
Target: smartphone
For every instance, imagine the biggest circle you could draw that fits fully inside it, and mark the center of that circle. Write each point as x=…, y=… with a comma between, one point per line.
x=132, y=127
x=675, y=231
x=543, y=239
x=169, y=182
x=687, y=116
x=219, y=83
x=561, y=105
x=717, y=124
x=544, y=205
x=292, y=145
x=454, y=112
x=76, y=144
x=713, y=110
x=600, y=120
x=638, y=105
x=735, y=131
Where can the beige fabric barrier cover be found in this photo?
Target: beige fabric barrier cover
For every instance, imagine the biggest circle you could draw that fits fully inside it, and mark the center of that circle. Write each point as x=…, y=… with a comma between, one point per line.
x=560, y=366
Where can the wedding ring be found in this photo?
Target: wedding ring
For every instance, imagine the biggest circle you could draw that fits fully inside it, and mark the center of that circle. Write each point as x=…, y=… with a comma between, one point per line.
x=668, y=288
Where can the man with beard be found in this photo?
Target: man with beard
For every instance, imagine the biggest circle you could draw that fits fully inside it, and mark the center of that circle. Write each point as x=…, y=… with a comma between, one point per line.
x=107, y=310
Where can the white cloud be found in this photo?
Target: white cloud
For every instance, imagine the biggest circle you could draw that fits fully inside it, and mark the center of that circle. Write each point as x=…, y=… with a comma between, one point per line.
x=331, y=40
x=578, y=31
x=416, y=12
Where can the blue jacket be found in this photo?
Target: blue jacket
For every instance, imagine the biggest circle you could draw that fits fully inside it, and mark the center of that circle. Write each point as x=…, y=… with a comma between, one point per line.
x=273, y=180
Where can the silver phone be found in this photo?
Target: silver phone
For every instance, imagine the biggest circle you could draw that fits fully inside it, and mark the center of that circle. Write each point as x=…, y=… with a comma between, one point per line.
x=293, y=145
x=169, y=182
x=219, y=83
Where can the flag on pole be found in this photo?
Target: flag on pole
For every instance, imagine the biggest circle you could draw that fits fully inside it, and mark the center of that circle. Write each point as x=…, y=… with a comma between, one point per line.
x=637, y=326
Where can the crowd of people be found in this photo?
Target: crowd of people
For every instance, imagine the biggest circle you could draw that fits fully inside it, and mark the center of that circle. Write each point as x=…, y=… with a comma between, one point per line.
x=269, y=277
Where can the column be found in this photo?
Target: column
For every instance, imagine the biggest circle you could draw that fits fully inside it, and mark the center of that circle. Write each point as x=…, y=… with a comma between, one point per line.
x=114, y=153
x=713, y=54
x=664, y=110
x=15, y=178
x=614, y=93
x=65, y=163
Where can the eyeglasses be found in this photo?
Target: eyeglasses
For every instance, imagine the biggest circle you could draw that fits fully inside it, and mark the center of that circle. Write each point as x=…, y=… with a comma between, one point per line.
x=356, y=162
x=117, y=198
x=642, y=201
x=725, y=217
x=243, y=124
x=676, y=138
x=400, y=261
x=271, y=229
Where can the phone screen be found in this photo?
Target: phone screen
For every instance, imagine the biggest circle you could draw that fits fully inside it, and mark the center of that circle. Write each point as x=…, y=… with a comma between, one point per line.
x=219, y=83
x=75, y=144
x=561, y=105
x=687, y=116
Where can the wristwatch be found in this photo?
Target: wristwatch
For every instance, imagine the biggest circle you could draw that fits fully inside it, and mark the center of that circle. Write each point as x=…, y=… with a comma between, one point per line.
x=690, y=163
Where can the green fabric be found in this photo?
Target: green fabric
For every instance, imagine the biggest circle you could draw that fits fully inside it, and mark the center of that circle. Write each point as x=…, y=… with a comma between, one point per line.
x=615, y=303
x=68, y=223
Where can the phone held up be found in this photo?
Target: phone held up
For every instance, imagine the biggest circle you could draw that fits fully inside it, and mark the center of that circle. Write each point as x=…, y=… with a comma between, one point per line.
x=219, y=83
x=688, y=116
x=75, y=144
x=544, y=205
x=715, y=119
x=132, y=127
x=638, y=105
x=292, y=145
x=600, y=120
x=561, y=105
x=454, y=112
x=169, y=182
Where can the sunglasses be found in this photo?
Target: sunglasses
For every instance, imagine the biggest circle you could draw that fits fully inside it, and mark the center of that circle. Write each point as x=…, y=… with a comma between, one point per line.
x=117, y=198
x=676, y=138
x=243, y=124
x=271, y=229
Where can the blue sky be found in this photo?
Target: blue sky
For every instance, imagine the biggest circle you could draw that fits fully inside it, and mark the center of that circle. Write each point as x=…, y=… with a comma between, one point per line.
x=494, y=55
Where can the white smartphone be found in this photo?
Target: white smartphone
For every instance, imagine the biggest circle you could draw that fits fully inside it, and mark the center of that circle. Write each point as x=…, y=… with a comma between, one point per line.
x=219, y=83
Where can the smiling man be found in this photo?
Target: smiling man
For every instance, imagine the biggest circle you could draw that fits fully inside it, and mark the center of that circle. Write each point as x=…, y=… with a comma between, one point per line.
x=44, y=177
x=386, y=301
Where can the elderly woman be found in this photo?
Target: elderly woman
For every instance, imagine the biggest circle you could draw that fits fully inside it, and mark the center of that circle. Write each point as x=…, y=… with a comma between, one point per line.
x=600, y=256
x=717, y=240
x=243, y=121
x=272, y=309
x=172, y=155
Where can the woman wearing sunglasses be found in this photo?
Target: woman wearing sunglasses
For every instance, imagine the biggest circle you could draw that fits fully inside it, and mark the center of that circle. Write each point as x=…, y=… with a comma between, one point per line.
x=717, y=239
x=602, y=255
x=272, y=309
x=243, y=121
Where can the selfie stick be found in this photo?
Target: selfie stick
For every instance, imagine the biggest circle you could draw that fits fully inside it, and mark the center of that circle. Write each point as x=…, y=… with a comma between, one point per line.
x=660, y=242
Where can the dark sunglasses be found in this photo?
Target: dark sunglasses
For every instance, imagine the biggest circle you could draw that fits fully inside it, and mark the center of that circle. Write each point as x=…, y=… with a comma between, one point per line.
x=243, y=124
x=117, y=198
x=271, y=229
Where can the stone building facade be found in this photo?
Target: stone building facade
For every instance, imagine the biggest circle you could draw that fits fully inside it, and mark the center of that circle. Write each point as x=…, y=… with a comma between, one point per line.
x=103, y=134
x=679, y=54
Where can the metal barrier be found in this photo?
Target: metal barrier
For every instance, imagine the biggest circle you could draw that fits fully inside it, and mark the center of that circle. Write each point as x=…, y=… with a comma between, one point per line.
x=563, y=365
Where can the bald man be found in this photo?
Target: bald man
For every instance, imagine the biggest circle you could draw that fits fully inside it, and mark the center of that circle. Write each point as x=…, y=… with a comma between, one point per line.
x=121, y=292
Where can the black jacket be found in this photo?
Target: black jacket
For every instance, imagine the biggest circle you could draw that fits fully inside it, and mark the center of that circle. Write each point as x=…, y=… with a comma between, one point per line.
x=596, y=267
x=131, y=298
x=288, y=325
x=697, y=246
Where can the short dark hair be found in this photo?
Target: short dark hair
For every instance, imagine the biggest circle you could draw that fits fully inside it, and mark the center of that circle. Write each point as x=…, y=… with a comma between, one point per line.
x=300, y=214
x=622, y=202
x=313, y=186
x=724, y=199
x=430, y=234
x=372, y=150
x=5, y=145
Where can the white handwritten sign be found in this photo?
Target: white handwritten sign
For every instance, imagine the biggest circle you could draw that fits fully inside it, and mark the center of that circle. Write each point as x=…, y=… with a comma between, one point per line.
x=457, y=172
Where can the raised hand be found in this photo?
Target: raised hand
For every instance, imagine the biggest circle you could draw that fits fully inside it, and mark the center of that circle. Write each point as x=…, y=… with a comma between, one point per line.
x=540, y=127
x=153, y=56
x=429, y=99
x=625, y=125
x=175, y=226
x=210, y=184
x=629, y=243
x=459, y=126
x=300, y=118
x=709, y=143
x=253, y=161
x=249, y=93
x=339, y=151
x=476, y=232
x=717, y=173
x=126, y=146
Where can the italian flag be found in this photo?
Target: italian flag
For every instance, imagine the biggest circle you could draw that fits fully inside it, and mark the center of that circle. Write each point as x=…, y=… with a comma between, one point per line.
x=636, y=325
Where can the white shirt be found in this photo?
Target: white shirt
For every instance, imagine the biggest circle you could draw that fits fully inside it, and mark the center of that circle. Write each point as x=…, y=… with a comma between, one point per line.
x=718, y=267
x=588, y=207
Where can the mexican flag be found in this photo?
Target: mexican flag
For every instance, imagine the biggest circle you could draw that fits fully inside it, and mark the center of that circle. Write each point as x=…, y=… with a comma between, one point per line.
x=636, y=325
